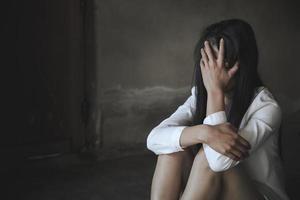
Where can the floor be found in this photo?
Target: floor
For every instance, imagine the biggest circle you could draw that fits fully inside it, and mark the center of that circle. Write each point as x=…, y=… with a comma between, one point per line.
x=121, y=178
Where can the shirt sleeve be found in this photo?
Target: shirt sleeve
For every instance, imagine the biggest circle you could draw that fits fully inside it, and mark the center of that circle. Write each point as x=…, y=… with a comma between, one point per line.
x=263, y=118
x=165, y=137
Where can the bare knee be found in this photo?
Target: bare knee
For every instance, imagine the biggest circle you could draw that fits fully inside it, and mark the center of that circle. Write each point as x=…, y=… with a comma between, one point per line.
x=203, y=183
x=169, y=173
x=203, y=162
x=180, y=155
x=181, y=161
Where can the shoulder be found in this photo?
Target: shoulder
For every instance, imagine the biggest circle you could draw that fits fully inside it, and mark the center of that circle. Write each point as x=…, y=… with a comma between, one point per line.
x=263, y=97
x=265, y=106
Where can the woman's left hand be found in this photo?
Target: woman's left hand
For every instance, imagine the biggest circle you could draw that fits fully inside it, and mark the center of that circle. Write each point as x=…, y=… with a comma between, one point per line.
x=214, y=74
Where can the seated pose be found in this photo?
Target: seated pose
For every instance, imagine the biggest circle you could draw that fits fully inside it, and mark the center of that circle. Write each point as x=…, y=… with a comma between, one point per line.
x=222, y=143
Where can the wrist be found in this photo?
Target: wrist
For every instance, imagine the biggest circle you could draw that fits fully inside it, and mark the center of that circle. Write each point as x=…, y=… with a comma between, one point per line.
x=215, y=101
x=215, y=92
x=203, y=133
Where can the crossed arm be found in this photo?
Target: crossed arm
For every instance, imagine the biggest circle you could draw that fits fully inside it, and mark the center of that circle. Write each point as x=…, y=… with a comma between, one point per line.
x=261, y=120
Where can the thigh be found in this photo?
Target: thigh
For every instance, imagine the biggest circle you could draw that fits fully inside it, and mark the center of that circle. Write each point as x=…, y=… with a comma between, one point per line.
x=169, y=173
x=186, y=168
x=237, y=185
x=203, y=183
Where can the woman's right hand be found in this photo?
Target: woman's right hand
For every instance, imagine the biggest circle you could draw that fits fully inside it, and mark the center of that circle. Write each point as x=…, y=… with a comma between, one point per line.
x=224, y=139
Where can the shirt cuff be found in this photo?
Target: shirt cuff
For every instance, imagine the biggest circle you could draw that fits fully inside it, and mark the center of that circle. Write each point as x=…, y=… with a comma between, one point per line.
x=175, y=137
x=215, y=118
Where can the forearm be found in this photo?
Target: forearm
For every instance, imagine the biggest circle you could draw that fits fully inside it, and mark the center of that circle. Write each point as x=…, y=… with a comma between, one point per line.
x=215, y=102
x=192, y=135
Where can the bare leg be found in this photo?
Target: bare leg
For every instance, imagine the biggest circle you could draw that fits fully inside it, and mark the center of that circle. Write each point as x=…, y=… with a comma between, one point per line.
x=203, y=183
x=169, y=175
x=237, y=185
x=172, y=171
x=233, y=184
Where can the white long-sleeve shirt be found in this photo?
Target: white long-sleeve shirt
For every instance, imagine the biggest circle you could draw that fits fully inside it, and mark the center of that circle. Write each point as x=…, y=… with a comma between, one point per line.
x=259, y=126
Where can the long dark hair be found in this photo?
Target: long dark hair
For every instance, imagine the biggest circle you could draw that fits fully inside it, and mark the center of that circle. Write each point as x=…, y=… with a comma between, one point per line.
x=240, y=44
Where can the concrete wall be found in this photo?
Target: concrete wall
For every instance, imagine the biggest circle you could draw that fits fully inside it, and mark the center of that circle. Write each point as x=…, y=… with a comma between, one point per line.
x=144, y=61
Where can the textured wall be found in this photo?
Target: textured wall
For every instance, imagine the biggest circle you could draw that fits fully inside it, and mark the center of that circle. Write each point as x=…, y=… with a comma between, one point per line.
x=144, y=44
x=144, y=62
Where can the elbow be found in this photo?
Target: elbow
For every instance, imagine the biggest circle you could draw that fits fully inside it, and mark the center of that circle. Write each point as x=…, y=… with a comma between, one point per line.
x=221, y=163
x=150, y=144
x=156, y=147
x=161, y=145
x=218, y=162
x=221, y=166
x=217, y=167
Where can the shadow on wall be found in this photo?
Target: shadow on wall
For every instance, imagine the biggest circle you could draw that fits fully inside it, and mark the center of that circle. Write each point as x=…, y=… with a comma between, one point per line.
x=290, y=132
x=290, y=139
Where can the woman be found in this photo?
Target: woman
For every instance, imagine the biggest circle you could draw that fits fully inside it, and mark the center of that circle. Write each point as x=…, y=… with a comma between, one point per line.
x=222, y=143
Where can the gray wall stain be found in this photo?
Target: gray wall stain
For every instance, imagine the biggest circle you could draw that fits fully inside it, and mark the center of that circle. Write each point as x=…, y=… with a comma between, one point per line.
x=128, y=115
